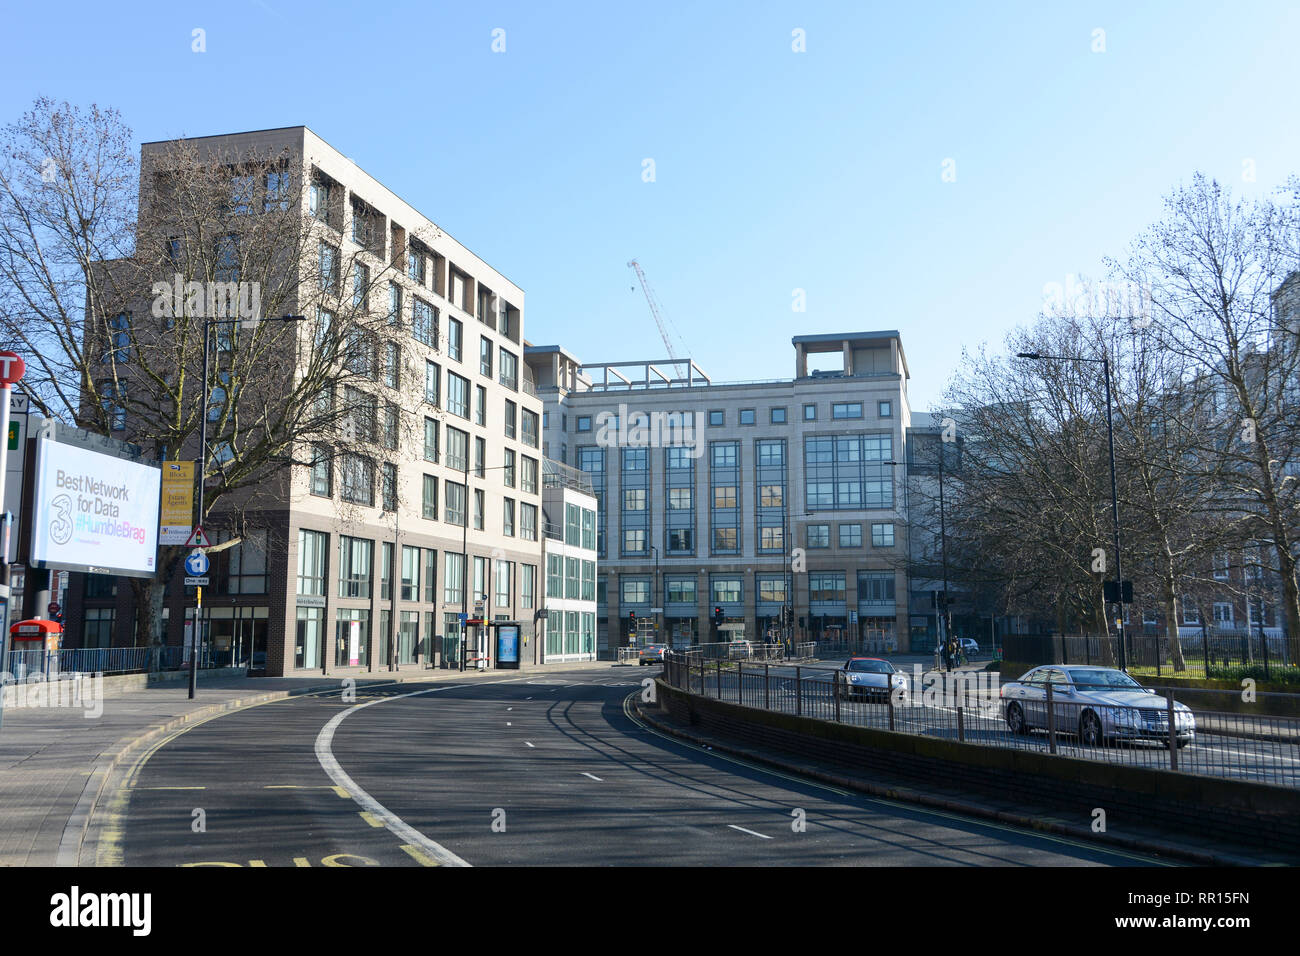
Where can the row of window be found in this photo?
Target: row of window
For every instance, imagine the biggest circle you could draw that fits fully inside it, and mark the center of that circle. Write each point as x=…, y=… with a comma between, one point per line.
x=570, y=578
x=415, y=575
x=748, y=416
x=874, y=587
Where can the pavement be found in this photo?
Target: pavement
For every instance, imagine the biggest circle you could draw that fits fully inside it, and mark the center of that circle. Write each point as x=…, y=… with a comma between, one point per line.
x=55, y=761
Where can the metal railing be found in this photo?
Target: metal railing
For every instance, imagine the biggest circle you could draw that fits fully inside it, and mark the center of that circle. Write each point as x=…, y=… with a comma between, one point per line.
x=1224, y=654
x=26, y=664
x=1258, y=743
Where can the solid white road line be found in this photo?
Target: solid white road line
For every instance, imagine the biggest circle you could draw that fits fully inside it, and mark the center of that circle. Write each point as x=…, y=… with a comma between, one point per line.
x=528, y=744
x=340, y=777
x=750, y=832
x=592, y=776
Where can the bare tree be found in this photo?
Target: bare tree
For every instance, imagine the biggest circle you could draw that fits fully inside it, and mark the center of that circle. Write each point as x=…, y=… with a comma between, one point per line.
x=1215, y=266
x=112, y=281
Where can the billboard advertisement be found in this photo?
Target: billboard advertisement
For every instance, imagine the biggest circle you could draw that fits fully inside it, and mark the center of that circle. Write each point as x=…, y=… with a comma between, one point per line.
x=93, y=511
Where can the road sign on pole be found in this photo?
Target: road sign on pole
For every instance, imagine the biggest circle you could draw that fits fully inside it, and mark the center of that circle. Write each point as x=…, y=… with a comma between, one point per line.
x=198, y=539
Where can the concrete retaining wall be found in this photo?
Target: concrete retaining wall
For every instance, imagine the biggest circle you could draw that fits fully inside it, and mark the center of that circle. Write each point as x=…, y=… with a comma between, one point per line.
x=1249, y=813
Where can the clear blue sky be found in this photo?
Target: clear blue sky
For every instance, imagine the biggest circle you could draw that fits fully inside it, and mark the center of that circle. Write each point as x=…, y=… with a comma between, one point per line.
x=775, y=170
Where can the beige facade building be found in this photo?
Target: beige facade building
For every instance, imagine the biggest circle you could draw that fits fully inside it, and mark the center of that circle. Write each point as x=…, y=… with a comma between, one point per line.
x=368, y=560
x=751, y=497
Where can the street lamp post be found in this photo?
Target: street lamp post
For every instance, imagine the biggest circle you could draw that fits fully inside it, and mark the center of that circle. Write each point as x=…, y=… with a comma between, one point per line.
x=658, y=601
x=208, y=322
x=1104, y=362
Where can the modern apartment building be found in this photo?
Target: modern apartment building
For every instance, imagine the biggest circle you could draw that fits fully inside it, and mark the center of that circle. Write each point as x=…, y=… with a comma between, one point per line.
x=568, y=625
x=750, y=497
x=370, y=559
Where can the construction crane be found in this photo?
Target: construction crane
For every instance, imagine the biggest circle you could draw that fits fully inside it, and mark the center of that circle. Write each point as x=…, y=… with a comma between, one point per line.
x=657, y=311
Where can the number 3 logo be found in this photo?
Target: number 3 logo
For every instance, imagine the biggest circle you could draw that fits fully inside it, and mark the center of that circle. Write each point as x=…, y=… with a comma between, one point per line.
x=61, y=523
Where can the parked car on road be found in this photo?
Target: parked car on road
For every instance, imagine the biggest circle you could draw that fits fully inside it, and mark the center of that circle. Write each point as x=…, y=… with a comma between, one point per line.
x=871, y=678
x=1097, y=704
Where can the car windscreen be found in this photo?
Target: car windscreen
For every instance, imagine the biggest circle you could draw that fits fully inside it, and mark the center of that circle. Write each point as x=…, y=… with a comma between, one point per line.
x=871, y=667
x=1103, y=677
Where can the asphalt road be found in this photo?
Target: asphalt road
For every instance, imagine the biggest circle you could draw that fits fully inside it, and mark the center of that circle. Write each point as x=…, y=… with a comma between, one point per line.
x=548, y=769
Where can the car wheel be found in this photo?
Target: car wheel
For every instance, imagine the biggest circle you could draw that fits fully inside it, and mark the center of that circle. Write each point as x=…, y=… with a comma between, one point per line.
x=1183, y=743
x=1089, y=729
x=1016, y=720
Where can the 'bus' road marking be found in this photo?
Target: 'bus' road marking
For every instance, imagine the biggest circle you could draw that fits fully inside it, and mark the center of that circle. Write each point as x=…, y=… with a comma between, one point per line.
x=592, y=776
x=750, y=832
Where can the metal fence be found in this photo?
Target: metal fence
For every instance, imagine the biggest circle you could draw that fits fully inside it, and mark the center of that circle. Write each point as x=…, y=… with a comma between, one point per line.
x=735, y=651
x=1218, y=653
x=23, y=664
x=970, y=707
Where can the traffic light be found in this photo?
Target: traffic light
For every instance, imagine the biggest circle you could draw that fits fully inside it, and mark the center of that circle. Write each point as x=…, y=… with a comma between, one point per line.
x=631, y=619
x=717, y=615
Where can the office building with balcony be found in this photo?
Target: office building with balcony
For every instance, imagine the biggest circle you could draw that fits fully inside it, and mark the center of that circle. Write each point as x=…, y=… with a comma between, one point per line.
x=751, y=497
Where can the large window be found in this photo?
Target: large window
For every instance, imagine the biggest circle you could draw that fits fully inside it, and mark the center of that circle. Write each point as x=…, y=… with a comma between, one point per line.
x=772, y=589
x=554, y=576
x=826, y=587
x=311, y=562
x=455, y=498
x=358, y=480
x=424, y=323
x=681, y=590
x=432, y=384
x=725, y=503
x=455, y=336
x=457, y=449
x=572, y=525
x=848, y=472
x=509, y=370
x=453, y=579
x=529, y=480
x=430, y=439
x=876, y=587
x=458, y=395
x=727, y=590
x=636, y=591
x=572, y=568
x=355, y=556
x=410, y=573
x=527, y=584
x=527, y=521
x=529, y=427
x=322, y=472
x=882, y=535
x=429, y=498
x=501, y=583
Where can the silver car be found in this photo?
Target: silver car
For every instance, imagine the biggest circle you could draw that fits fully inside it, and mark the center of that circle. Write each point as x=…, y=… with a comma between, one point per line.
x=871, y=678
x=1096, y=703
